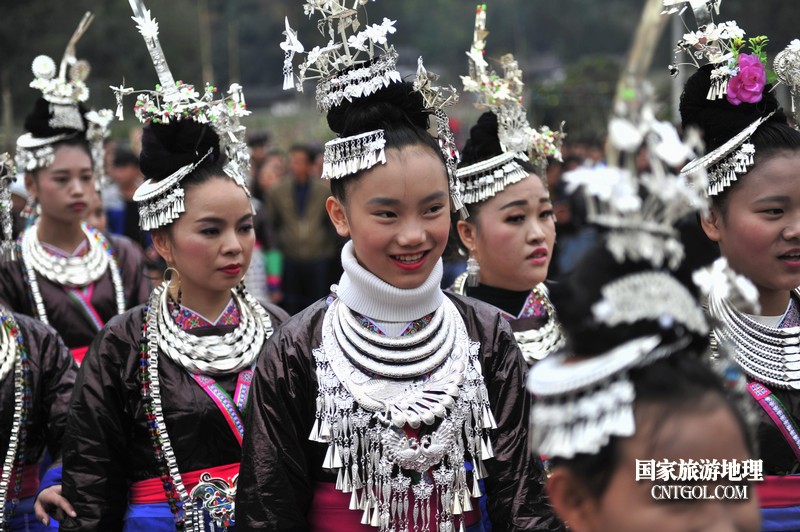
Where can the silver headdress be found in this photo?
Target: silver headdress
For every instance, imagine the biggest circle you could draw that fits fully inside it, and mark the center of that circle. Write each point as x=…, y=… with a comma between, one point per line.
x=640, y=211
x=737, y=76
x=519, y=141
x=161, y=202
x=787, y=68
x=7, y=176
x=358, y=65
x=580, y=405
x=64, y=89
x=355, y=64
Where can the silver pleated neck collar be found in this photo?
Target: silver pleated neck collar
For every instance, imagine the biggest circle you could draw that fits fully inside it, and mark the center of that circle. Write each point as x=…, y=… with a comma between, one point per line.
x=767, y=354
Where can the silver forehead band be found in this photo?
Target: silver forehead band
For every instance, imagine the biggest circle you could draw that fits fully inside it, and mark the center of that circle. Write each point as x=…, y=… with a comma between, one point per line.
x=349, y=155
x=358, y=82
x=485, y=179
x=652, y=296
x=727, y=162
x=579, y=406
x=33, y=153
x=162, y=202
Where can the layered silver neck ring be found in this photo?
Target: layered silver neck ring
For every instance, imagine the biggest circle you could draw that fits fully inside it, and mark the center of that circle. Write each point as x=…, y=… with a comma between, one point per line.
x=766, y=354
x=217, y=354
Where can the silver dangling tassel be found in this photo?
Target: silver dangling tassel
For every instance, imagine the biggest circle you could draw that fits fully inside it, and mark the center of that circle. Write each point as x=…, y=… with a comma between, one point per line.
x=473, y=272
x=31, y=206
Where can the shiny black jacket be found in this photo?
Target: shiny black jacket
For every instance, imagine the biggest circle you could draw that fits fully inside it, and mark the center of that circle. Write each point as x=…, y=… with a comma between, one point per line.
x=108, y=443
x=52, y=374
x=280, y=466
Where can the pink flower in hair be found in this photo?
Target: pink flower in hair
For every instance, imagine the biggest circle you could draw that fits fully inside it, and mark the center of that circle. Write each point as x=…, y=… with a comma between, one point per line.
x=748, y=84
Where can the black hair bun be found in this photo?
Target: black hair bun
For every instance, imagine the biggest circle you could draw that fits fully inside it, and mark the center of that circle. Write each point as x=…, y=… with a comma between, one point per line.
x=719, y=119
x=168, y=147
x=483, y=142
x=38, y=121
x=389, y=106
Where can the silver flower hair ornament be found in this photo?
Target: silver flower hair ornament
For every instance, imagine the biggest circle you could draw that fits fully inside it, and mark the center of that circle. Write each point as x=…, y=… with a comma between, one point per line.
x=161, y=202
x=351, y=65
x=737, y=76
x=640, y=211
x=502, y=95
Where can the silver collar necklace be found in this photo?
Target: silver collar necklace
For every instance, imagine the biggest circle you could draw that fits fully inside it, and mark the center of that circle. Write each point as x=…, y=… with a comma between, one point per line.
x=766, y=354
x=371, y=386
x=68, y=271
x=212, y=355
x=535, y=344
x=73, y=272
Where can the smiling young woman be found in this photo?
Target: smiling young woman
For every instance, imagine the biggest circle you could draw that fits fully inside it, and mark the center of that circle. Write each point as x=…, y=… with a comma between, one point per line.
x=755, y=220
x=370, y=404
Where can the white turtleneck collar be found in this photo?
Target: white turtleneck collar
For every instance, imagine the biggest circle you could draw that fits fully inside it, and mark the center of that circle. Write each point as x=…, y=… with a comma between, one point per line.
x=370, y=296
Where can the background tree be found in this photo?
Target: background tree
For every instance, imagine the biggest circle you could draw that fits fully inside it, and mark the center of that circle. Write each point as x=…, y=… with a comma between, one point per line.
x=568, y=50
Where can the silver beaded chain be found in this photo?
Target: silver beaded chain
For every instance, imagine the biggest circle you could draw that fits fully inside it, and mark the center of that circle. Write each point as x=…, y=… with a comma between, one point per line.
x=192, y=516
x=11, y=346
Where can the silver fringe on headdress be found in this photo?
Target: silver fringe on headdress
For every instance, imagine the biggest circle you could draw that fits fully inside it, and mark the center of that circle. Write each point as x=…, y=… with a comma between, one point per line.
x=161, y=202
x=349, y=155
x=519, y=141
x=358, y=65
x=724, y=164
x=580, y=405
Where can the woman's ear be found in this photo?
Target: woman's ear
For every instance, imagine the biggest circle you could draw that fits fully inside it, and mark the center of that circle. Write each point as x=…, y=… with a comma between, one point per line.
x=338, y=216
x=163, y=245
x=466, y=232
x=711, y=223
x=571, y=500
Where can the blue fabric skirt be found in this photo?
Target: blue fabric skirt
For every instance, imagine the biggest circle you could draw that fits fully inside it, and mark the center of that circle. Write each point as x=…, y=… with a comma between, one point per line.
x=24, y=519
x=780, y=519
x=158, y=518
